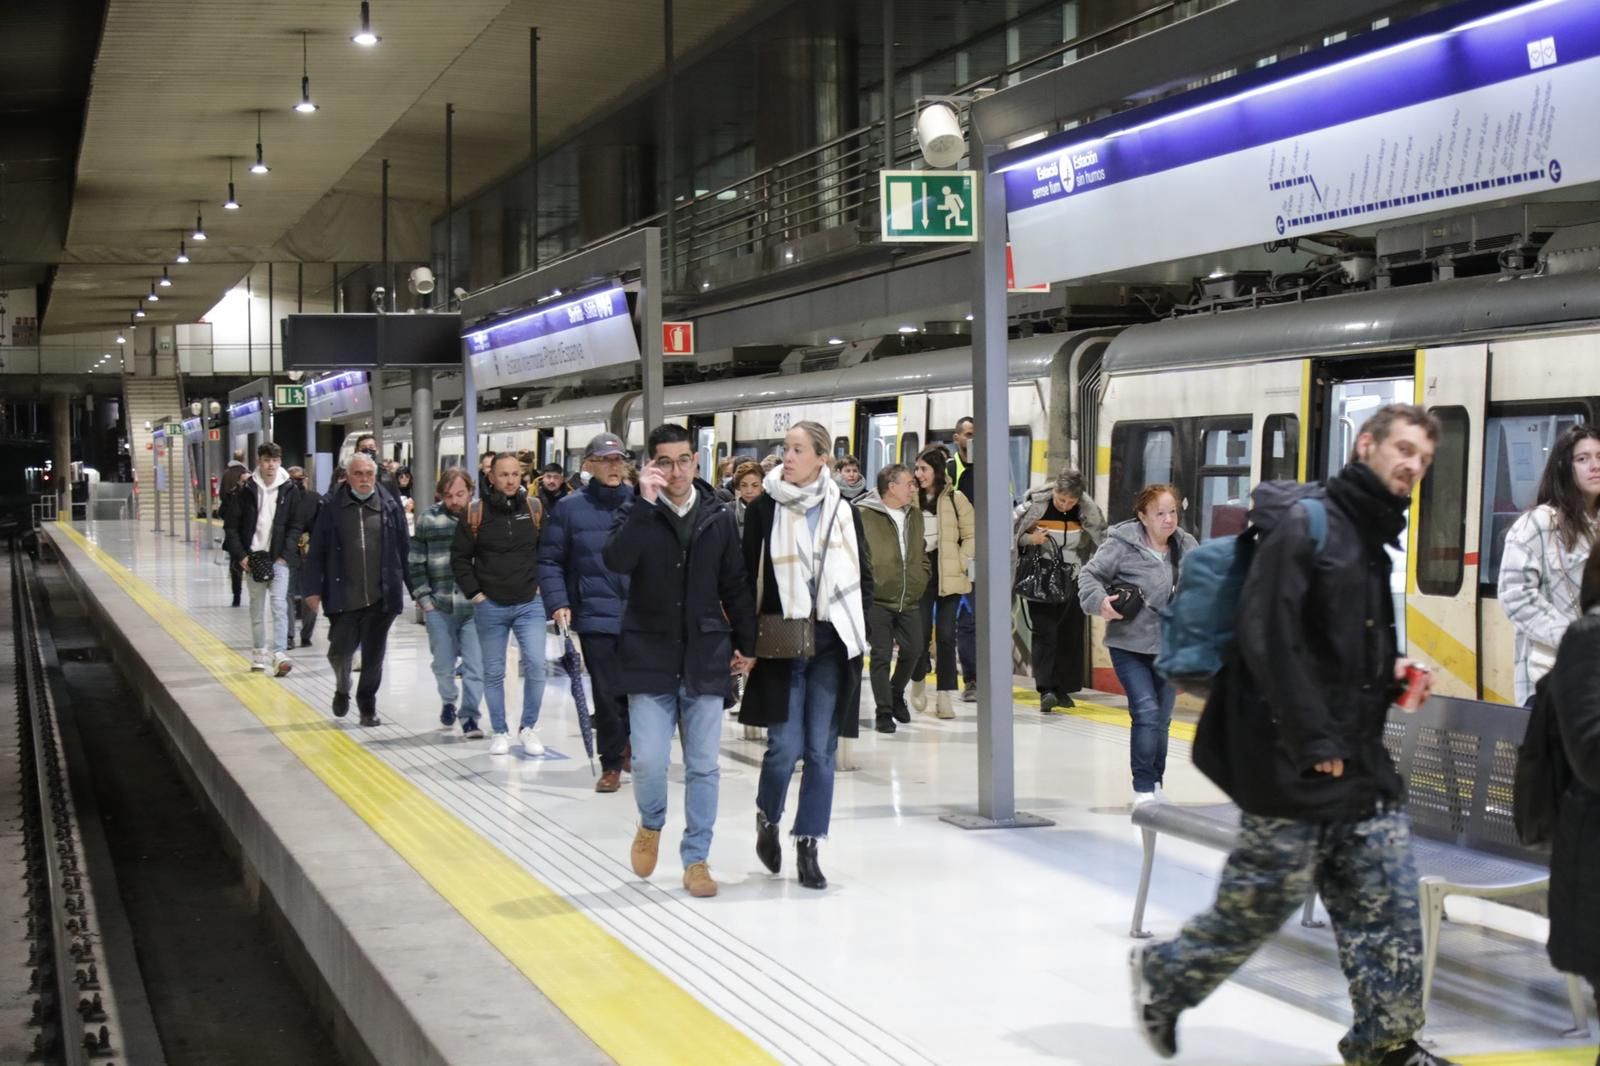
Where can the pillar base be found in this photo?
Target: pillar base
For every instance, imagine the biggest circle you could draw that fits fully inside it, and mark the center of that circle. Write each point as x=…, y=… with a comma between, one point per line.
x=1020, y=820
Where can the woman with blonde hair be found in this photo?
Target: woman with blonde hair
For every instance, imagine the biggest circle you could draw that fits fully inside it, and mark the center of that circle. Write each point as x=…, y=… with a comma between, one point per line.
x=805, y=556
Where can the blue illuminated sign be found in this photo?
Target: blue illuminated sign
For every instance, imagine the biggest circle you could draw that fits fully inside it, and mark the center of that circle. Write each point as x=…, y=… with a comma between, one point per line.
x=591, y=331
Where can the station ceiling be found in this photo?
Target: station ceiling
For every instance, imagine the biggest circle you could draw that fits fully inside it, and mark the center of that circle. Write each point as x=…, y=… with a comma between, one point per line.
x=167, y=92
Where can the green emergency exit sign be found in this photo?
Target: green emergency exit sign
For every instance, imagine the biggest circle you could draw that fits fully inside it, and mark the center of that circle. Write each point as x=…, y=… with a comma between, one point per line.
x=928, y=205
x=289, y=396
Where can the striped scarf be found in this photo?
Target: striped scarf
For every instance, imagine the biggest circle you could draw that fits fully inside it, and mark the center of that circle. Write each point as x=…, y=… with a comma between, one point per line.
x=796, y=553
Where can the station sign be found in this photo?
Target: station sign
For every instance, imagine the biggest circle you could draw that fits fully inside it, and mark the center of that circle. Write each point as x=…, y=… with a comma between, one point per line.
x=173, y=429
x=338, y=395
x=927, y=206
x=591, y=331
x=677, y=338
x=244, y=417
x=1471, y=103
x=288, y=396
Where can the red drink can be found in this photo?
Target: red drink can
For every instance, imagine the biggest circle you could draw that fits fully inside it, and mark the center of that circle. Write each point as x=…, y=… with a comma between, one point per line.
x=1416, y=682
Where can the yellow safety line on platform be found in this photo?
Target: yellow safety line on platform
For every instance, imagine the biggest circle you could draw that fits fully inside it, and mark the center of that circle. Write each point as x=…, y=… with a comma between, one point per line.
x=635, y=1013
x=1563, y=1056
x=1099, y=712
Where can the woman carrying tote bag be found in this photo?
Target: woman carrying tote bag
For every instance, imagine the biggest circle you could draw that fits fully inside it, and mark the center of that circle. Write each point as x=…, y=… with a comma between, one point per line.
x=1545, y=551
x=1064, y=513
x=805, y=553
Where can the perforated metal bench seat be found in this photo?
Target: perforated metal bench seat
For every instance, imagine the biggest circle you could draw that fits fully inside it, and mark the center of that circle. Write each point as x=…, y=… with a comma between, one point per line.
x=1457, y=757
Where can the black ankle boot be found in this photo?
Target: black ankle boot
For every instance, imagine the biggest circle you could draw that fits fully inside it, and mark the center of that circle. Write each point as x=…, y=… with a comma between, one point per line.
x=768, y=849
x=805, y=861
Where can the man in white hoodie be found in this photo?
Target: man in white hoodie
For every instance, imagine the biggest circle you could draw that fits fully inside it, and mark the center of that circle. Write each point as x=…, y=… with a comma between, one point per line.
x=263, y=521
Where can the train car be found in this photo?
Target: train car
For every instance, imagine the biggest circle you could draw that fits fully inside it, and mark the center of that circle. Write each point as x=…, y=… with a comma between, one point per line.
x=1215, y=403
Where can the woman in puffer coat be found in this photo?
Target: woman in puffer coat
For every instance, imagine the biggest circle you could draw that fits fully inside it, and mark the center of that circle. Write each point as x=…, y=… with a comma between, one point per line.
x=950, y=537
x=1062, y=510
x=1144, y=555
x=1574, y=689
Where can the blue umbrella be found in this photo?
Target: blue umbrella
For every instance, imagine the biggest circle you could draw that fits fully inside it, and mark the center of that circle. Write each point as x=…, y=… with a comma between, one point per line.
x=572, y=663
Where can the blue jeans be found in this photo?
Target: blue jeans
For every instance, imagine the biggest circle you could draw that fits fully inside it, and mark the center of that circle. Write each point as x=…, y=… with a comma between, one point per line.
x=275, y=592
x=1150, y=701
x=453, y=636
x=496, y=623
x=812, y=731
x=651, y=718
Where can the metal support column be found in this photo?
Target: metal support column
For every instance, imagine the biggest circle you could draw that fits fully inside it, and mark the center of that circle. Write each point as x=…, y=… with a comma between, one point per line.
x=272, y=350
x=449, y=203
x=991, y=593
x=669, y=169
x=424, y=461
x=888, y=84
x=187, y=495
x=533, y=147
x=172, y=492
x=469, y=423
x=155, y=482
x=383, y=238
x=61, y=451
x=651, y=378
x=209, y=541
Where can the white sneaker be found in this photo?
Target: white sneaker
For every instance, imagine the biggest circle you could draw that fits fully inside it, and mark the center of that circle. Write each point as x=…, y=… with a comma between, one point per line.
x=281, y=664
x=500, y=745
x=530, y=742
x=919, y=695
x=258, y=660
x=1141, y=798
x=1161, y=794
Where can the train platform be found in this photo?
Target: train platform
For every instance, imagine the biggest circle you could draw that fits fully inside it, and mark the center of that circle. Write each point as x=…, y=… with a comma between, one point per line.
x=462, y=908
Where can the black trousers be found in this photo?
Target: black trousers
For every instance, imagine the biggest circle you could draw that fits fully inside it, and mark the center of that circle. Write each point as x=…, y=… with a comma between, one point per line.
x=967, y=638
x=610, y=710
x=236, y=579
x=886, y=631
x=366, y=628
x=942, y=626
x=1057, y=646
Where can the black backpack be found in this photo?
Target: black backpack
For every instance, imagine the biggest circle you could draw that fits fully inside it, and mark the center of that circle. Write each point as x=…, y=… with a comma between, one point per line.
x=1543, y=773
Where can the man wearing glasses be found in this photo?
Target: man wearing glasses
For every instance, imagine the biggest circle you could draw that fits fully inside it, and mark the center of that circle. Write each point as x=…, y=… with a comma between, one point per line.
x=582, y=593
x=689, y=622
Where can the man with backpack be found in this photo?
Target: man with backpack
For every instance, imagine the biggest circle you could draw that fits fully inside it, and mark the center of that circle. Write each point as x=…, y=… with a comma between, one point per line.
x=1293, y=732
x=495, y=560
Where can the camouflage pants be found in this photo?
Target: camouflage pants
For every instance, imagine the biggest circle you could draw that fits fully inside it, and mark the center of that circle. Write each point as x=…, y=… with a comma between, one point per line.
x=1367, y=878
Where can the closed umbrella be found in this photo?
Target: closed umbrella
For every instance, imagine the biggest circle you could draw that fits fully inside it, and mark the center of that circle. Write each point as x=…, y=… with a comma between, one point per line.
x=572, y=663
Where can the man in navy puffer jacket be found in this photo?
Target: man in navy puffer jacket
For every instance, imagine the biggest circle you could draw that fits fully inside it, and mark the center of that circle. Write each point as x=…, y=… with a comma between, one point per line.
x=580, y=592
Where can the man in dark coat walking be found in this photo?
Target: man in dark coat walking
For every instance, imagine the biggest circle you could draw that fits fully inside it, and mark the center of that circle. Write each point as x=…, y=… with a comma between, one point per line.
x=582, y=593
x=690, y=621
x=1293, y=732
x=357, y=565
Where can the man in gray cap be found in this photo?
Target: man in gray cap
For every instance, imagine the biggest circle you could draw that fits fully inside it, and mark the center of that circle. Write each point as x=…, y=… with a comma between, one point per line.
x=580, y=592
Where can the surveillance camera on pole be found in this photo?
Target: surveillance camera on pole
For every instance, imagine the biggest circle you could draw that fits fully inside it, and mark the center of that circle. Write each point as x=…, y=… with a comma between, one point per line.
x=939, y=132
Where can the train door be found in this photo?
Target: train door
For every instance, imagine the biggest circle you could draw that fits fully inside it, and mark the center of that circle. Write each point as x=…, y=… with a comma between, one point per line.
x=1346, y=395
x=546, y=446
x=703, y=434
x=1442, y=587
x=877, y=436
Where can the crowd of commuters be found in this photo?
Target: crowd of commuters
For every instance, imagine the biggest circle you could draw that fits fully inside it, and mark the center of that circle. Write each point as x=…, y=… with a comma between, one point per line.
x=766, y=591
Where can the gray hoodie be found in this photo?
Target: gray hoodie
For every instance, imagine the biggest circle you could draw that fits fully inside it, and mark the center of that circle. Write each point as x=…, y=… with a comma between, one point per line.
x=1125, y=558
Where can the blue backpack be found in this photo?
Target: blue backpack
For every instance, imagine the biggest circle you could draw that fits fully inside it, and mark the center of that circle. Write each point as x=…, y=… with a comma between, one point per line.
x=1197, y=628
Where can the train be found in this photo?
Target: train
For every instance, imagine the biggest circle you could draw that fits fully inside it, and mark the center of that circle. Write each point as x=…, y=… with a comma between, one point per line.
x=1212, y=403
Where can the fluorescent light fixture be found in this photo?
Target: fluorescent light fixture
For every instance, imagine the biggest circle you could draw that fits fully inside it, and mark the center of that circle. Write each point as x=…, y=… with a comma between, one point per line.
x=183, y=252
x=728, y=194
x=1027, y=139
x=909, y=329
x=305, y=106
x=835, y=340
x=165, y=282
x=199, y=233
x=365, y=37
x=969, y=318
x=260, y=166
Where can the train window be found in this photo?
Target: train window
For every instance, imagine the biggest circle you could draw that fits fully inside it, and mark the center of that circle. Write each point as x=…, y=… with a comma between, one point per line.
x=841, y=447
x=1021, y=461
x=908, y=448
x=1280, y=448
x=1141, y=454
x=1224, y=480
x=1442, y=525
x=1515, y=450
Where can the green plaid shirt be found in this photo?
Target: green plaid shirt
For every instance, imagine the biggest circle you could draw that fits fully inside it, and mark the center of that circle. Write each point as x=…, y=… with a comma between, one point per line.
x=428, y=564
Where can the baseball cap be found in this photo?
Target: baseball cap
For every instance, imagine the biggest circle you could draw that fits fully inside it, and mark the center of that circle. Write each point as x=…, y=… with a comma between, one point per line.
x=602, y=445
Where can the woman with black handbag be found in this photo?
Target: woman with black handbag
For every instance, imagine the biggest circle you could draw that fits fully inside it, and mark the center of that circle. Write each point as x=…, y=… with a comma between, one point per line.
x=1130, y=580
x=806, y=557
x=1057, y=530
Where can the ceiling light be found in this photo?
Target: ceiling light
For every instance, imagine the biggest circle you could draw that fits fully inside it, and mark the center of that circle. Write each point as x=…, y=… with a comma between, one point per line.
x=139, y=311
x=120, y=338
x=153, y=298
x=366, y=38
x=183, y=252
x=230, y=204
x=835, y=340
x=908, y=329
x=165, y=282
x=305, y=106
x=969, y=318
x=260, y=166
x=199, y=233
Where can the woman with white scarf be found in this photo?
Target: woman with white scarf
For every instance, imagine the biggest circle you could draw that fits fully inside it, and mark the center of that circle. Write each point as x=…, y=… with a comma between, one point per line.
x=806, y=558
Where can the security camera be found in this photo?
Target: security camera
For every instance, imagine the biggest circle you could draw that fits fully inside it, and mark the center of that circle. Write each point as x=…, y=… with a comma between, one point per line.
x=194, y=407
x=216, y=407
x=421, y=281
x=939, y=134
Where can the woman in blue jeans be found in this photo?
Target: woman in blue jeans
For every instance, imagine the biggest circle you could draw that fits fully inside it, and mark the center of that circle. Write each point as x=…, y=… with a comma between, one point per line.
x=1141, y=559
x=804, y=554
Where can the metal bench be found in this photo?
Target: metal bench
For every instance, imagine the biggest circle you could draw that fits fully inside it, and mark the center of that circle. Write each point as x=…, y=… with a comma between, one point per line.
x=1458, y=758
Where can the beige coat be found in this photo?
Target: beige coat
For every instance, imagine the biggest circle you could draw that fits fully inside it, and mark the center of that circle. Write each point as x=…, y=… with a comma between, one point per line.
x=958, y=541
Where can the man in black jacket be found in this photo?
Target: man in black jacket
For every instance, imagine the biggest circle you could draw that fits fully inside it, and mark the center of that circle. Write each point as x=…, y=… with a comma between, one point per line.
x=495, y=559
x=689, y=622
x=232, y=477
x=264, y=519
x=1297, y=741
x=367, y=444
